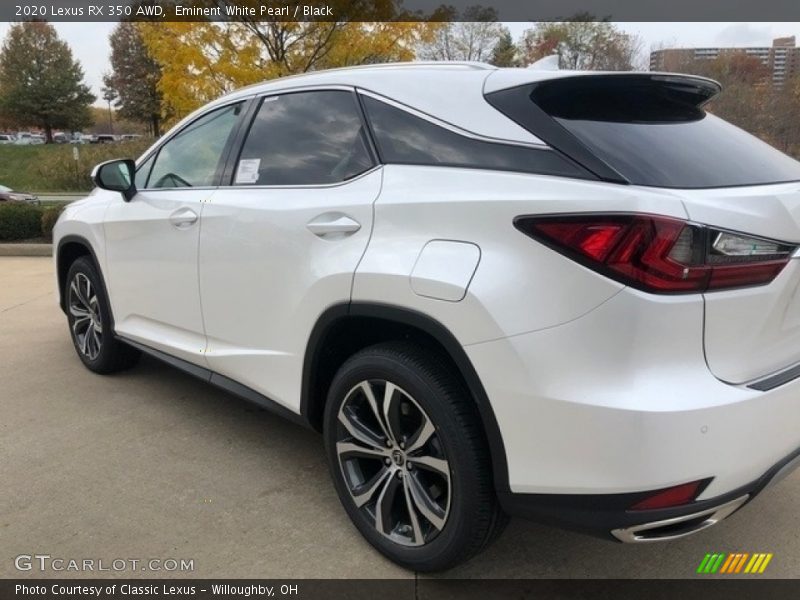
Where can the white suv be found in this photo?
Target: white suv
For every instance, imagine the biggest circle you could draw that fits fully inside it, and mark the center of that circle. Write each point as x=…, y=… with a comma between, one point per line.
x=567, y=296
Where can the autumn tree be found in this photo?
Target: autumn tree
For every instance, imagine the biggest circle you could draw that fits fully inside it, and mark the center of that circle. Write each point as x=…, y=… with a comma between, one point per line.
x=583, y=43
x=40, y=82
x=135, y=76
x=201, y=60
x=470, y=35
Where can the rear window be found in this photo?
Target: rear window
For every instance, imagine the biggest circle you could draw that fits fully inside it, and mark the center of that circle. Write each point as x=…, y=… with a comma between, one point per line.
x=654, y=132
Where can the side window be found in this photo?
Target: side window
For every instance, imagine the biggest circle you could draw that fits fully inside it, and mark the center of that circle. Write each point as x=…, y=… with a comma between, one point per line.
x=192, y=157
x=143, y=171
x=403, y=138
x=304, y=138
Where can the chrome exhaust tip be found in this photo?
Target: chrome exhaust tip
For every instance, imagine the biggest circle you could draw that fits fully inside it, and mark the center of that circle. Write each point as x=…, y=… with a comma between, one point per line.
x=678, y=527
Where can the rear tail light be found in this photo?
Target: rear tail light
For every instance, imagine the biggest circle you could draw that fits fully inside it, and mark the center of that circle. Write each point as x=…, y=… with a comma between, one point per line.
x=661, y=254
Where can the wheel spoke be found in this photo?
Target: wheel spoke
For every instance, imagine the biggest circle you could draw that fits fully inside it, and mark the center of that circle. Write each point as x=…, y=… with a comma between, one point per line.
x=429, y=509
x=84, y=342
x=412, y=513
x=78, y=312
x=364, y=493
x=383, y=506
x=434, y=464
x=95, y=343
x=75, y=287
x=369, y=393
x=351, y=449
x=422, y=436
x=358, y=430
x=81, y=324
x=390, y=412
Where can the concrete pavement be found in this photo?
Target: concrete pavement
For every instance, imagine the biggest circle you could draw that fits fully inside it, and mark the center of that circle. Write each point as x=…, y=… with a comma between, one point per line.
x=152, y=463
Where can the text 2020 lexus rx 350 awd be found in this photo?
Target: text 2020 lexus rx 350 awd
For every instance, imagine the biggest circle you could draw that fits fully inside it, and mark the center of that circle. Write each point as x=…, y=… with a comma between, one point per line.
x=567, y=296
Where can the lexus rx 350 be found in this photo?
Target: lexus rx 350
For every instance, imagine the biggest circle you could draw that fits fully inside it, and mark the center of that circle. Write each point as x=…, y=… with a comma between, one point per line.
x=573, y=297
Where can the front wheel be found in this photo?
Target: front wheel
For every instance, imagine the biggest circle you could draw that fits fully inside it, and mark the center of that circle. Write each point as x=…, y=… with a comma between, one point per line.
x=408, y=457
x=89, y=318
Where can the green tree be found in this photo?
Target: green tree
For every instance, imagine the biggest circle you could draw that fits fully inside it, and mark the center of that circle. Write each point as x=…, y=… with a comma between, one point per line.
x=504, y=53
x=134, y=77
x=40, y=82
x=582, y=43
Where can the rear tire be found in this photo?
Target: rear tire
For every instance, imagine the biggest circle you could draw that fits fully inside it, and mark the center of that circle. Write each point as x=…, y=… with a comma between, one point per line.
x=89, y=318
x=403, y=436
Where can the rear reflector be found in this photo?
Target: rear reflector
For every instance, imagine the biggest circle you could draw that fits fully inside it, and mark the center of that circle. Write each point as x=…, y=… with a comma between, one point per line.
x=661, y=254
x=674, y=496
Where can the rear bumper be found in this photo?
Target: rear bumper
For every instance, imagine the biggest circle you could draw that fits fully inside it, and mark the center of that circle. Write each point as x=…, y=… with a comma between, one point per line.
x=607, y=515
x=605, y=409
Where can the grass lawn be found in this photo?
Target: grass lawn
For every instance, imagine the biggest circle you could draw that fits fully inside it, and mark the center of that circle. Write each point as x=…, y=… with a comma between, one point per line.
x=52, y=168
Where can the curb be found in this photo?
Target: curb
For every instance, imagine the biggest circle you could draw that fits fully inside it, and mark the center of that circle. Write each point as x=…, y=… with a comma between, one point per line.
x=26, y=249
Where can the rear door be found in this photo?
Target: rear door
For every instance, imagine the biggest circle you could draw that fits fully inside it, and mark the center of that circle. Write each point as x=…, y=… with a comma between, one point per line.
x=280, y=244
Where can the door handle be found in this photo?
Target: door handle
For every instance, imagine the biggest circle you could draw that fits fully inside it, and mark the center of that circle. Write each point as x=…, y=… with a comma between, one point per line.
x=333, y=225
x=183, y=218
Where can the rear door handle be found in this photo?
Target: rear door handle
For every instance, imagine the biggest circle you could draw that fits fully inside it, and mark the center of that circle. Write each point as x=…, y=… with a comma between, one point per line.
x=183, y=218
x=333, y=225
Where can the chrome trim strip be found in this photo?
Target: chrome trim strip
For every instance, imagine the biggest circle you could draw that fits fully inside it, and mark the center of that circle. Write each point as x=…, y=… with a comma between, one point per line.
x=638, y=533
x=769, y=382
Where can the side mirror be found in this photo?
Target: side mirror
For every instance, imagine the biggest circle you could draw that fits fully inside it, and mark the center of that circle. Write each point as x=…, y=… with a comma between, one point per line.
x=116, y=176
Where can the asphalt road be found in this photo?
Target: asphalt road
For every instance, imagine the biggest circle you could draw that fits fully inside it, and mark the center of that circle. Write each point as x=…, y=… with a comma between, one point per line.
x=155, y=464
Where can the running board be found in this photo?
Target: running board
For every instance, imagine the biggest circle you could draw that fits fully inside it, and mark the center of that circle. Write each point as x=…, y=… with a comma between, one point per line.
x=224, y=383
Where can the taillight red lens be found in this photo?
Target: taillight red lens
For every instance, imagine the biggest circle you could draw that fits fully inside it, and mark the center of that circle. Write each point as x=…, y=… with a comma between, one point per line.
x=674, y=496
x=660, y=254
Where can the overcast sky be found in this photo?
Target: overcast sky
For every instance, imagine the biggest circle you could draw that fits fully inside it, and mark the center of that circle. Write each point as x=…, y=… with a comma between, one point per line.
x=89, y=41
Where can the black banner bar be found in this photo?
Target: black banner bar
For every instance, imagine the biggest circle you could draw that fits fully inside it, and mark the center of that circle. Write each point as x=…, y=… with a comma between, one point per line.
x=419, y=588
x=396, y=10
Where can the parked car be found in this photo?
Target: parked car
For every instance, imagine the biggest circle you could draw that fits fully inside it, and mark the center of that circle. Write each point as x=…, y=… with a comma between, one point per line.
x=6, y=138
x=103, y=138
x=560, y=295
x=9, y=195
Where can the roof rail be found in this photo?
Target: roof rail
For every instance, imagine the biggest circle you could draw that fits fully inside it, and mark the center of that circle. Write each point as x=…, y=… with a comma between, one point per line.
x=466, y=64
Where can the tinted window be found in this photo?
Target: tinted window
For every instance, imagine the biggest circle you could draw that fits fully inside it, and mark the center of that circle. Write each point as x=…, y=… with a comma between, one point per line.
x=193, y=156
x=655, y=132
x=706, y=152
x=407, y=139
x=303, y=139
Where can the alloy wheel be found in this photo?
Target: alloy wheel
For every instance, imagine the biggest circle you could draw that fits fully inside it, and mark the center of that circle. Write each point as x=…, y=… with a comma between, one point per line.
x=393, y=462
x=84, y=310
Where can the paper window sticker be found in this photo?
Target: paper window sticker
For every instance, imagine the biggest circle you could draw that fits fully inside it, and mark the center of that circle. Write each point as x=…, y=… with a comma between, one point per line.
x=248, y=170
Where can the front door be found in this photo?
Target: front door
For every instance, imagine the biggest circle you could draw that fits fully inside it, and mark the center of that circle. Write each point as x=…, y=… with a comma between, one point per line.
x=152, y=241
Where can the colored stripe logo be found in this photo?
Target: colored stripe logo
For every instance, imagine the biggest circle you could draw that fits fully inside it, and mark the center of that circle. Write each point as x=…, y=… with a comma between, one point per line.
x=735, y=563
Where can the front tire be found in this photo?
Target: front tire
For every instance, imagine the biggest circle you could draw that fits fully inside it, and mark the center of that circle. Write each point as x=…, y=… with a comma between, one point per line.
x=409, y=458
x=89, y=318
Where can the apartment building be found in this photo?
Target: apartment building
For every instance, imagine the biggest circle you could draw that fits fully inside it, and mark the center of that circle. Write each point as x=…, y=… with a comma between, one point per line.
x=782, y=58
